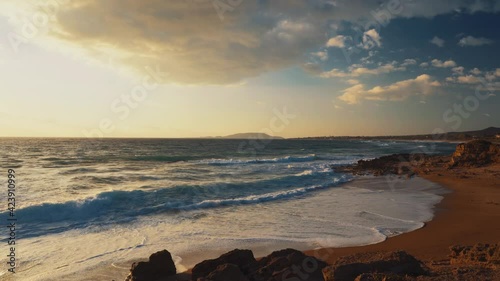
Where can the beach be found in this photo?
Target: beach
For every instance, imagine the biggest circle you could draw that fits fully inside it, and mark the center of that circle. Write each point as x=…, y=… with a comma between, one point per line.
x=466, y=216
x=198, y=206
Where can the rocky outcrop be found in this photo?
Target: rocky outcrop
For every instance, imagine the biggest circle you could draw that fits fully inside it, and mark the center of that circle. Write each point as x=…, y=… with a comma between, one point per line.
x=225, y=272
x=479, y=254
x=160, y=265
x=395, y=164
x=289, y=264
x=395, y=265
x=475, y=153
x=243, y=259
x=240, y=265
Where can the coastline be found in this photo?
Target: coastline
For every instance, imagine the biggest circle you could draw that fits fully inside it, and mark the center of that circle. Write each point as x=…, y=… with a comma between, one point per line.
x=465, y=216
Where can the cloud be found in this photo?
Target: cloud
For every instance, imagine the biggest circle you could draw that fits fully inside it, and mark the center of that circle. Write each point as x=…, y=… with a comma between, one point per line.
x=371, y=39
x=312, y=68
x=437, y=41
x=473, y=41
x=337, y=41
x=353, y=81
x=475, y=71
x=468, y=79
x=408, y=62
x=459, y=70
x=357, y=70
x=440, y=64
x=424, y=64
x=421, y=85
x=322, y=55
x=195, y=45
x=465, y=79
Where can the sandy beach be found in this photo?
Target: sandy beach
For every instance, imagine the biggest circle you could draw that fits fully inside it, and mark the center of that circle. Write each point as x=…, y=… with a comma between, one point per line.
x=465, y=216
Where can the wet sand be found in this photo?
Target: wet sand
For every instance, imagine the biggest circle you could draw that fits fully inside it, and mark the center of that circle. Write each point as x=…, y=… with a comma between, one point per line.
x=468, y=215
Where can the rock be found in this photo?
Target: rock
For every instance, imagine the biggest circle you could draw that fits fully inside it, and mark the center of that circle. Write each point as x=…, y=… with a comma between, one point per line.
x=479, y=254
x=160, y=265
x=244, y=259
x=226, y=272
x=475, y=153
x=397, y=164
x=289, y=264
x=380, y=277
x=395, y=263
x=238, y=265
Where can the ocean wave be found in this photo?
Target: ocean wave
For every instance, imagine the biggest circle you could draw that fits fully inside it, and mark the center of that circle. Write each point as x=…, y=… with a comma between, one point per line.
x=116, y=207
x=286, y=159
x=163, y=158
x=254, y=199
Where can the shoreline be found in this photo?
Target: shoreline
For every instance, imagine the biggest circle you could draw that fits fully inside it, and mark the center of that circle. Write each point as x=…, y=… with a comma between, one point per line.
x=465, y=216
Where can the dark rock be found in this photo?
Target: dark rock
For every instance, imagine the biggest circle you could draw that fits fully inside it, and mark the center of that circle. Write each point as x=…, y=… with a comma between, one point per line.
x=160, y=265
x=475, y=153
x=397, y=164
x=226, y=272
x=395, y=263
x=244, y=259
x=289, y=264
x=380, y=277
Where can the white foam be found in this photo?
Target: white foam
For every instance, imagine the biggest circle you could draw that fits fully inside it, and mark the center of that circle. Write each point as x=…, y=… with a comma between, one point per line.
x=359, y=213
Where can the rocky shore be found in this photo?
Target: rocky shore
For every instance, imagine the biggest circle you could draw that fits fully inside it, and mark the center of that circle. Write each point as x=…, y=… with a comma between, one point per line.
x=477, y=153
x=446, y=249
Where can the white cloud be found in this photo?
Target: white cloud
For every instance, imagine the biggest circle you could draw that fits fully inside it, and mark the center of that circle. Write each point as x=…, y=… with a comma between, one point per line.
x=473, y=41
x=438, y=63
x=468, y=79
x=337, y=41
x=408, y=62
x=459, y=70
x=437, y=41
x=465, y=79
x=190, y=41
x=371, y=39
x=322, y=55
x=475, y=71
x=422, y=85
x=357, y=70
x=424, y=64
x=353, y=81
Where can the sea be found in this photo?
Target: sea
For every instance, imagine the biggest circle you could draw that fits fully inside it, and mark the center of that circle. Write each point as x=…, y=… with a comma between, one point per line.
x=95, y=205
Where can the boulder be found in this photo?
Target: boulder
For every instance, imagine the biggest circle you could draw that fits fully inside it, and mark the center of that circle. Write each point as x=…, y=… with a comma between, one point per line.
x=393, y=263
x=243, y=259
x=160, y=265
x=380, y=277
x=396, y=164
x=289, y=264
x=475, y=153
x=281, y=265
x=226, y=272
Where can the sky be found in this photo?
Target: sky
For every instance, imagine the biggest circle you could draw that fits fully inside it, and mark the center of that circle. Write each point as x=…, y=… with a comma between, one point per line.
x=198, y=68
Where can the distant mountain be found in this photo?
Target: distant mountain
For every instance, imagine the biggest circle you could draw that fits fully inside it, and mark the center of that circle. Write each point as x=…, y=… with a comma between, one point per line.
x=247, y=136
x=491, y=133
x=487, y=133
